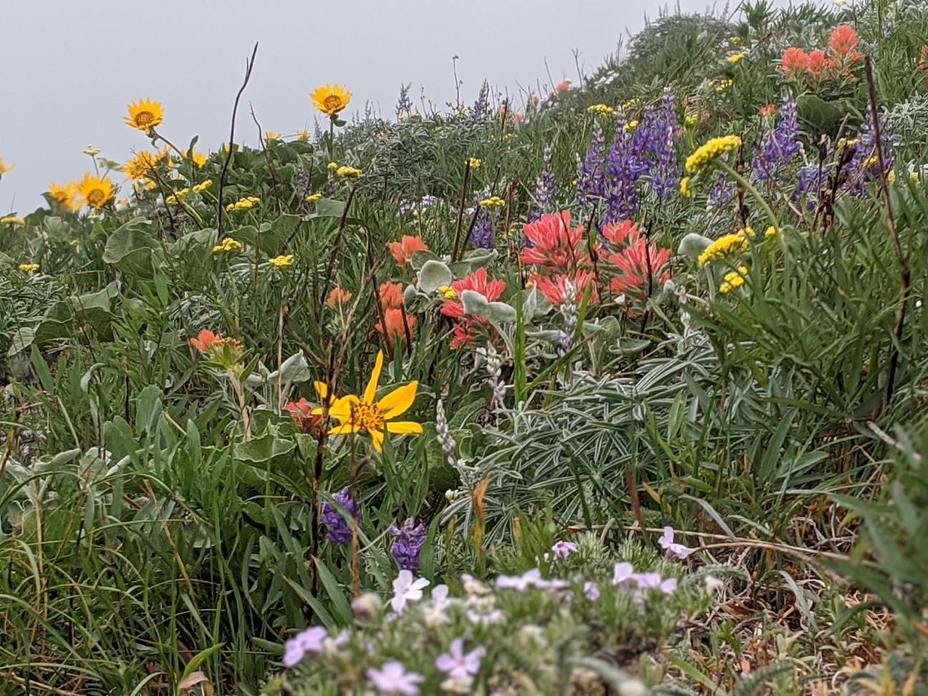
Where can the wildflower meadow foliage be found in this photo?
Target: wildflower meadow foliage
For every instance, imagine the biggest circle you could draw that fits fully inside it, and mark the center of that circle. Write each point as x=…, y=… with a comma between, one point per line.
x=615, y=385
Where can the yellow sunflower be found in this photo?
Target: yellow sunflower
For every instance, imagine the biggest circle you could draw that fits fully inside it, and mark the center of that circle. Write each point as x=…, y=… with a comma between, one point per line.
x=64, y=195
x=95, y=191
x=145, y=114
x=365, y=413
x=140, y=165
x=197, y=157
x=330, y=99
x=5, y=167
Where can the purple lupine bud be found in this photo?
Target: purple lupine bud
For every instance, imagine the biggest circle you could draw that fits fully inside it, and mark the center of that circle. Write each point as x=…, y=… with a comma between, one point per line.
x=592, y=171
x=545, y=189
x=408, y=544
x=778, y=143
x=481, y=108
x=334, y=517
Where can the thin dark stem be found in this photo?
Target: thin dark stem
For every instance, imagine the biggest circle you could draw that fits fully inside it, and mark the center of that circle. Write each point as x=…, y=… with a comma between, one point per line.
x=457, y=231
x=336, y=246
x=249, y=66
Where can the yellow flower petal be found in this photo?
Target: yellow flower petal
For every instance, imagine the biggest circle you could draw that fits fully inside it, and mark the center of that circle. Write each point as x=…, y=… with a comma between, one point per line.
x=321, y=389
x=371, y=390
x=398, y=401
x=404, y=427
x=377, y=439
x=344, y=429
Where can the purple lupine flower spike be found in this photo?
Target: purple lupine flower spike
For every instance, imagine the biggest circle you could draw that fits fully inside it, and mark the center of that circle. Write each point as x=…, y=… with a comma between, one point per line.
x=778, y=143
x=334, y=519
x=624, y=166
x=591, y=174
x=545, y=189
x=409, y=540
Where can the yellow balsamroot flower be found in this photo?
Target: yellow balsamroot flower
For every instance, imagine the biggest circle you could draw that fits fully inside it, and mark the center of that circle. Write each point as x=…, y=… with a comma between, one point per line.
x=303, y=136
x=227, y=245
x=473, y=163
x=601, y=110
x=145, y=114
x=271, y=135
x=95, y=191
x=29, y=267
x=492, y=202
x=140, y=165
x=282, y=261
x=686, y=187
x=330, y=99
x=356, y=414
x=197, y=157
x=734, y=279
x=348, y=172
x=722, y=247
x=12, y=220
x=448, y=292
x=706, y=154
x=736, y=58
x=5, y=166
x=64, y=195
x=178, y=195
x=244, y=203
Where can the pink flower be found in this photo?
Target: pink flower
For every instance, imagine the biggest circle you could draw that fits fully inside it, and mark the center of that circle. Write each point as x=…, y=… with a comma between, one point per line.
x=640, y=269
x=794, y=61
x=554, y=243
x=564, y=288
x=403, y=250
x=622, y=573
x=673, y=550
x=392, y=678
x=843, y=43
x=460, y=665
x=308, y=642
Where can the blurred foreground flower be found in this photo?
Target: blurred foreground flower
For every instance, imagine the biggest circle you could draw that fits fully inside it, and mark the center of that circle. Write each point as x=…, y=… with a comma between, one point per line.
x=12, y=220
x=5, y=166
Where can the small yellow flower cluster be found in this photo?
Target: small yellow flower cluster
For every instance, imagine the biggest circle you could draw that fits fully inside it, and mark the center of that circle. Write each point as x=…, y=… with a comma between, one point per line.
x=601, y=110
x=691, y=120
x=12, y=220
x=348, y=172
x=736, y=58
x=847, y=142
x=29, y=267
x=708, y=153
x=734, y=40
x=313, y=197
x=473, y=163
x=686, y=187
x=205, y=186
x=723, y=246
x=746, y=233
x=246, y=203
x=448, y=292
x=631, y=126
x=771, y=232
x=734, y=279
x=492, y=202
x=720, y=86
x=629, y=104
x=915, y=176
x=177, y=196
x=227, y=245
x=332, y=166
x=282, y=261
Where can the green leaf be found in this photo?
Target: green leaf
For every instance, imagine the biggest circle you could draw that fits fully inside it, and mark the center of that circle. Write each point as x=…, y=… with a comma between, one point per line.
x=265, y=448
x=434, y=275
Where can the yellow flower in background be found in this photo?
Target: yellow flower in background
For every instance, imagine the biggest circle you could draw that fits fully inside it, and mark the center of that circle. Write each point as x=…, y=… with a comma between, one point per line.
x=282, y=261
x=448, y=292
x=891, y=177
x=723, y=86
x=177, y=196
x=95, y=191
x=204, y=186
x=313, y=197
x=332, y=166
x=691, y=120
x=712, y=150
x=140, y=165
x=29, y=267
x=346, y=171
x=227, y=245
x=5, y=166
x=771, y=232
x=244, y=203
x=145, y=114
x=630, y=126
x=722, y=247
x=629, y=104
x=686, y=187
x=13, y=220
x=735, y=40
x=272, y=135
x=473, y=163
x=736, y=58
x=303, y=135
x=197, y=157
x=357, y=414
x=734, y=279
x=492, y=202
x=64, y=195
x=601, y=110
x=330, y=99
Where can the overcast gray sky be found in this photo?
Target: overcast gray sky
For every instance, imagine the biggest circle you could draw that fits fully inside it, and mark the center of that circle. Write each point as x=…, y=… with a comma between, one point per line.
x=68, y=69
